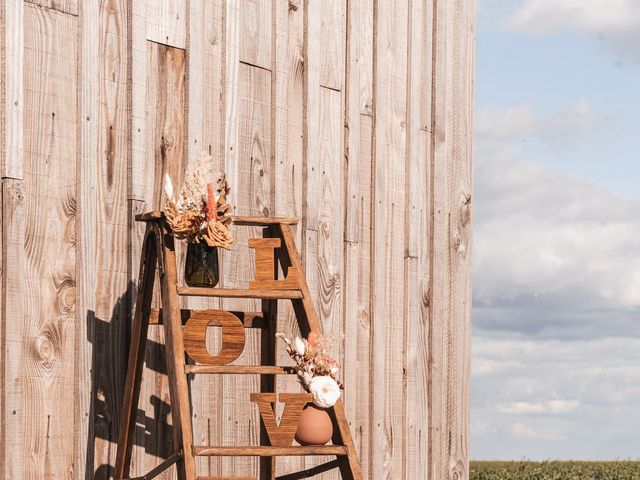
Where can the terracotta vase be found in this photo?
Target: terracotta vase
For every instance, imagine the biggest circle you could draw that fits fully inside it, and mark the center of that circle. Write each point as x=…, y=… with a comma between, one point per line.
x=314, y=426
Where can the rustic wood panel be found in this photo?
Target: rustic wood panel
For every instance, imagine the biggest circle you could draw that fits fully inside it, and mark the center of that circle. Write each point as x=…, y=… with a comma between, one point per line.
x=40, y=330
x=11, y=94
x=104, y=293
x=250, y=178
x=287, y=140
x=353, y=116
x=358, y=217
x=166, y=22
x=64, y=6
x=388, y=290
x=205, y=99
x=256, y=26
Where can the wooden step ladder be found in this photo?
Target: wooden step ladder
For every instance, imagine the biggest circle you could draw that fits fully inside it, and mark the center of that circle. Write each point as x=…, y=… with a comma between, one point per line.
x=276, y=247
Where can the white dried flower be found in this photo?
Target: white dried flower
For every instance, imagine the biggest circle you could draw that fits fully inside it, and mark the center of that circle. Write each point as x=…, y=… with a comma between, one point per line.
x=334, y=370
x=168, y=187
x=325, y=391
x=299, y=346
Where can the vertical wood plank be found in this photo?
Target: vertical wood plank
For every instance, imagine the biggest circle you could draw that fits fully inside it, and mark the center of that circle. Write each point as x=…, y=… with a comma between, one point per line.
x=163, y=151
x=388, y=329
x=166, y=22
x=417, y=231
x=64, y=6
x=357, y=367
x=104, y=292
x=451, y=221
x=358, y=215
x=323, y=217
x=256, y=27
x=253, y=197
x=41, y=328
x=287, y=135
x=138, y=91
x=205, y=87
x=13, y=311
x=85, y=442
x=11, y=88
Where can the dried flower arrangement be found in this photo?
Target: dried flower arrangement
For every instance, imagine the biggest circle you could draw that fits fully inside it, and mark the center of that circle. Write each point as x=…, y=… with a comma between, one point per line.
x=317, y=371
x=201, y=212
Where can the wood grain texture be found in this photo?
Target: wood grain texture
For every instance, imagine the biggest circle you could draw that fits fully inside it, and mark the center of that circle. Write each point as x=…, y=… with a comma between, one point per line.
x=13, y=308
x=256, y=26
x=249, y=165
x=40, y=374
x=271, y=451
x=12, y=88
x=166, y=22
x=64, y=6
x=232, y=338
x=281, y=433
x=287, y=140
x=388, y=288
x=323, y=218
x=417, y=215
x=357, y=299
x=265, y=256
x=103, y=287
x=353, y=117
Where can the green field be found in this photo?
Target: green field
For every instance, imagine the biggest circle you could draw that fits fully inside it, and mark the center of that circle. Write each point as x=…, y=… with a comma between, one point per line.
x=623, y=470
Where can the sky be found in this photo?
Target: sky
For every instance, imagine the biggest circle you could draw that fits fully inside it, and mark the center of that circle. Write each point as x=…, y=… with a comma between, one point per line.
x=556, y=287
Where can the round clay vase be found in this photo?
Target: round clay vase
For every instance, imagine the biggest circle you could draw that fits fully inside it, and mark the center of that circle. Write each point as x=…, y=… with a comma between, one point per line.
x=314, y=426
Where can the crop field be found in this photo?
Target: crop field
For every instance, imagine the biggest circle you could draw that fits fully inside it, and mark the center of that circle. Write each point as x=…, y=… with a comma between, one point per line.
x=621, y=470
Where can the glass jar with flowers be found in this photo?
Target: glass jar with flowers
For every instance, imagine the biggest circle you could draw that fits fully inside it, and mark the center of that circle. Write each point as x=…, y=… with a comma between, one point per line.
x=317, y=373
x=201, y=216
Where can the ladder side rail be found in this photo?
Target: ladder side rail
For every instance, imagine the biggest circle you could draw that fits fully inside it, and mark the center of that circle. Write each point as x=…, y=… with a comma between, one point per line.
x=306, y=314
x=174, y=346
x=146, y=279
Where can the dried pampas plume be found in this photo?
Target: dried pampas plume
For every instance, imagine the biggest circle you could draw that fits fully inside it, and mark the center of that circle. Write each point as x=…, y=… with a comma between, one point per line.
x=201, y=212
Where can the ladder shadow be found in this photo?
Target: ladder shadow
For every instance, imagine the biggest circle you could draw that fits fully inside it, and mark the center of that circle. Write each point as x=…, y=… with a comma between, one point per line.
x=110, y=339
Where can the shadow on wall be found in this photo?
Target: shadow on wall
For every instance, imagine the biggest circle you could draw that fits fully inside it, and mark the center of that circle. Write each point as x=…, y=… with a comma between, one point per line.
x=110, y=339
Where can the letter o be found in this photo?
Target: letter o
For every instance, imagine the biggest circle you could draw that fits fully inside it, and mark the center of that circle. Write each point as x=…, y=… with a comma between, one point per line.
x=195, y=335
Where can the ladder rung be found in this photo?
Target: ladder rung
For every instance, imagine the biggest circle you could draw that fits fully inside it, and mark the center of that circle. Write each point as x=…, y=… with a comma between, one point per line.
x=241, y=369
x=226, y=478
x=270, y=451
x=240, y=220
x=239, y=293
x=249, y=319
x=264, y=221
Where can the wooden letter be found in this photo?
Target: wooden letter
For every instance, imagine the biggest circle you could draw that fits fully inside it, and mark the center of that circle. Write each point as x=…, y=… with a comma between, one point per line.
x=281, y=435
x=195, y=334
x=265, y=267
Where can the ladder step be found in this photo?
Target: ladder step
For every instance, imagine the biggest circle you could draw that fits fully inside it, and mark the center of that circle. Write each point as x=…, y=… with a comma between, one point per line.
x=249, y=319
x=241, y=369
x=270, y=451
x=239, y=293
x=226, y=478
x=263, y=221
x=242, y=220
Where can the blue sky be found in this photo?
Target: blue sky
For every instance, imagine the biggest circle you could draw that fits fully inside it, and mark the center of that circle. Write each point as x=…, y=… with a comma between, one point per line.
x=556, y=346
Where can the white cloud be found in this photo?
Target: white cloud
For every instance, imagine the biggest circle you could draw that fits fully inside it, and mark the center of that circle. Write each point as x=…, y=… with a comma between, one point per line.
x=556, y=348
x=520, y=430
x=551, y=407
x=559, y=131
x=615, y=22
x=582, y=395
x=552, y=253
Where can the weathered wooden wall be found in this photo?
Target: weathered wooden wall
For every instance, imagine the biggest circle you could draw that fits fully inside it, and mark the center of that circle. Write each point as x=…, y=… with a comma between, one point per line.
x=355, y=116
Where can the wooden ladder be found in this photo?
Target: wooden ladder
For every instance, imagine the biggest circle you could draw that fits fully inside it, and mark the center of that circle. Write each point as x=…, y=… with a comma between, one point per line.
x=277, y=246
